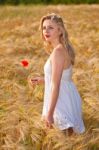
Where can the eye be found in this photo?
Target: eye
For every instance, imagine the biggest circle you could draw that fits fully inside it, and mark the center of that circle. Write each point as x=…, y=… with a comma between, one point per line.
x=50, y=27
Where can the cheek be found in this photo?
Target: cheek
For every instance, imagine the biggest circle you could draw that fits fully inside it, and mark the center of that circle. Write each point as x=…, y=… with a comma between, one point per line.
x=56, y=33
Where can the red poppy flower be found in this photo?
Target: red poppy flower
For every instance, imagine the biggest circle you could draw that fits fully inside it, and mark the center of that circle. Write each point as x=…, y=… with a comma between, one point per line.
x=24, y=63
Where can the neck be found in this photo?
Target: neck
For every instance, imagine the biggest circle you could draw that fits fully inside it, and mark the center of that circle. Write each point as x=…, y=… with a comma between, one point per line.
x=55, y=43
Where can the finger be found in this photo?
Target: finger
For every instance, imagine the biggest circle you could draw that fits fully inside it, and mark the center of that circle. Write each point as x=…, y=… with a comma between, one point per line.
x=33, y=80
x=49, y=125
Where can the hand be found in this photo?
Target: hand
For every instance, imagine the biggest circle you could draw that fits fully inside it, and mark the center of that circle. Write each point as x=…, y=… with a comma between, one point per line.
x=49, y=121
x=37, y=80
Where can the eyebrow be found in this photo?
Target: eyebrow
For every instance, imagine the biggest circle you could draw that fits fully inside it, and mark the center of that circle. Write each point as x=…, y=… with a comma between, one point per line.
x=48, y=26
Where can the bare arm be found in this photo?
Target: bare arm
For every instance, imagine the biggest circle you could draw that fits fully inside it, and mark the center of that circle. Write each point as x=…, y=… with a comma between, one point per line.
x=57, y=69
x=38, y=80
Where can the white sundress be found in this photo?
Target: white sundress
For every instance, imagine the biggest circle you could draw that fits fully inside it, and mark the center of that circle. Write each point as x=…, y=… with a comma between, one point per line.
x=68, y=110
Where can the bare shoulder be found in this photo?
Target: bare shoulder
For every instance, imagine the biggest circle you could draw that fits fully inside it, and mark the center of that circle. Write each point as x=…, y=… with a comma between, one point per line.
x=59, y=52
x=61, y=56
x=59, y=47
x=57, y=56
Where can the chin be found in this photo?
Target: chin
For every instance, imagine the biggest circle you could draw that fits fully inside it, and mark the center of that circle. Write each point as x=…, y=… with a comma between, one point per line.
x=47, y=40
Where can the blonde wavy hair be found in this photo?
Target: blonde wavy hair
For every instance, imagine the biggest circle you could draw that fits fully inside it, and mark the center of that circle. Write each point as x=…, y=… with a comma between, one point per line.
x=64, y=39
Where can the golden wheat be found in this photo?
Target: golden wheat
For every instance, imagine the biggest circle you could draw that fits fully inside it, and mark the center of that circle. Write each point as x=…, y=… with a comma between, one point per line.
x=21, y=127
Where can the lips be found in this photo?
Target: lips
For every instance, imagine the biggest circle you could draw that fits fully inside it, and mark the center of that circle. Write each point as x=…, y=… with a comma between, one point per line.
x=47, y=36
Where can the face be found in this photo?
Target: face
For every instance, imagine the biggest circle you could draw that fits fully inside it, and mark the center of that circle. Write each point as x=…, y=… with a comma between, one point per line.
x=51, y=30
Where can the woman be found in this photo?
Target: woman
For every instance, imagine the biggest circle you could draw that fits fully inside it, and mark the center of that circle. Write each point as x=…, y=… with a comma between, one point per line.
x=62, y=101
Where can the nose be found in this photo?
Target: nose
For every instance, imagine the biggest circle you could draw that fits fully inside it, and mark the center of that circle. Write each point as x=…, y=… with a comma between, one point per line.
x=46, y=30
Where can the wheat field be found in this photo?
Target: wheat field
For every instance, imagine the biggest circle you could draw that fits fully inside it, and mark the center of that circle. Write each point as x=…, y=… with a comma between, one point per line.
x=20, y=103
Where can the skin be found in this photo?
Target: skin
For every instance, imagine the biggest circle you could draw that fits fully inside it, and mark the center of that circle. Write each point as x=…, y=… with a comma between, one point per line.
x=37, y=80
x=51, y=29
x=60, y=60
